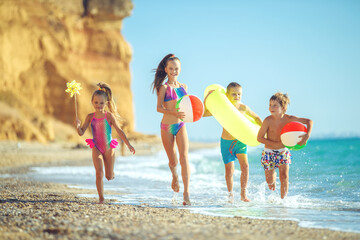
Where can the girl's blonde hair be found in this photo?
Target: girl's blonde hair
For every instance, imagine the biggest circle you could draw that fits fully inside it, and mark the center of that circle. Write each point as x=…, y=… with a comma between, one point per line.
x=105, y=91
x=282, y=98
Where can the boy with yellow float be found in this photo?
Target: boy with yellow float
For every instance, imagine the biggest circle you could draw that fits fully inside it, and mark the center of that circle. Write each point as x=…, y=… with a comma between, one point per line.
x=232, y=148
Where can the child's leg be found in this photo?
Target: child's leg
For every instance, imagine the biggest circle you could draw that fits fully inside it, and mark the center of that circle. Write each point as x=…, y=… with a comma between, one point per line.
x=284, y=179
x=168, y=141
x=270, y=176
x=98, y=164
x=182, y=143
x=229, y=172
x=244, y=178
x=109, y=162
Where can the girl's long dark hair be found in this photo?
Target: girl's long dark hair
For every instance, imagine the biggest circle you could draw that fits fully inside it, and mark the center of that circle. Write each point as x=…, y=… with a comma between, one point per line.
x=160, y=74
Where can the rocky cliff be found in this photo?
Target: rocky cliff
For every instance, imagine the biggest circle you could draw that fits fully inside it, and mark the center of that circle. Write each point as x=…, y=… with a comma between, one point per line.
x=46, y=43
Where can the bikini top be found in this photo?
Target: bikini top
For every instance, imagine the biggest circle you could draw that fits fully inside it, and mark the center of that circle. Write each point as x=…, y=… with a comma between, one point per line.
x=174, y=93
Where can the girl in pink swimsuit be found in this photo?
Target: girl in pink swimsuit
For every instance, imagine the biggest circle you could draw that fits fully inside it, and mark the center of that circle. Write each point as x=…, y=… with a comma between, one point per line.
x=172, y=128
x=102, y=143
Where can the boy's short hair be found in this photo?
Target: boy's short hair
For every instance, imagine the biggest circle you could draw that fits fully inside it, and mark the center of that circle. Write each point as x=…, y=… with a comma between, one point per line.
x=282, y=99
x=232, y=85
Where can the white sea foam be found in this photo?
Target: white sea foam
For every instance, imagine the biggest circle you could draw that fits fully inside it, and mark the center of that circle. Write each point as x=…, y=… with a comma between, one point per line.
x=84, y=170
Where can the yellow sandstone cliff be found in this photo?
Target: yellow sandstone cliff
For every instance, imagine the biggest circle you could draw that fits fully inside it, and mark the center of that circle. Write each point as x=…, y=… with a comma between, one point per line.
x=46, y=43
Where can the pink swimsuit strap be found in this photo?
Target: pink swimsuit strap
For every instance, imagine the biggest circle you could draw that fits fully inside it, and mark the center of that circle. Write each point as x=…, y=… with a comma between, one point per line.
x=93, y=117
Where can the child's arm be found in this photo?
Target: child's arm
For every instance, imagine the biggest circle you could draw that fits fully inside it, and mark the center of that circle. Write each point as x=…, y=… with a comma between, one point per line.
x=82, y=130
x=262, y=139
x=121, y=133
x=253, y=115
x=207, y=113
x=262, y=131
x=309, y=124
x=160, y=105
x=184, y=86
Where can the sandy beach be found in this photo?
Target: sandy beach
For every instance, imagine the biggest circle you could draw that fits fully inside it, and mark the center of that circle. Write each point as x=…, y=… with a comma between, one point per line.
x=37, y=210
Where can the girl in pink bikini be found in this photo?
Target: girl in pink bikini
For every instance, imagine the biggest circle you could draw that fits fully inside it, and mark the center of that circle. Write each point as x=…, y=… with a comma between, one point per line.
x=102, y=143
x=172, y=128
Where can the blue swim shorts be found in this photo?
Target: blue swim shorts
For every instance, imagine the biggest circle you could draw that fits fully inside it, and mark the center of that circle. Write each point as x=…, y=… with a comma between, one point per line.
x=272, y=159
x=229, y=149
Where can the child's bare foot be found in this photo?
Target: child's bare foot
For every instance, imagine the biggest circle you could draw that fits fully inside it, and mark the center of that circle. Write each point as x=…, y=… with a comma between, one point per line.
x=243, y=196
x=245, y=199
x=101, y=200
x=112, y=177
x=231, y=197
x=272, y=186
x=186, y=199
x=175, y=184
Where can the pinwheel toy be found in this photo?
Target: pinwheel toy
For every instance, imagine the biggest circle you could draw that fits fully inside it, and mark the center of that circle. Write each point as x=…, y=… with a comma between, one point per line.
x=73, y=88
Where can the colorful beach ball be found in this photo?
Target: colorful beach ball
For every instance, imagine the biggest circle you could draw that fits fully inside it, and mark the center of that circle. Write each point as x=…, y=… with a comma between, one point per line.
x=290, y=135
x=192, y=106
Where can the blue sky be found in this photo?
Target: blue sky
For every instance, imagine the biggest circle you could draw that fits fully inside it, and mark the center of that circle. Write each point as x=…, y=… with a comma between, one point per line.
x=309, y=49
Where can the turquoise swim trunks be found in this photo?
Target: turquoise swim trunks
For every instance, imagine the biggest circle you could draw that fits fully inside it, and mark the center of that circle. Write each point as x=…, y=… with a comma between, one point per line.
x=229, y=149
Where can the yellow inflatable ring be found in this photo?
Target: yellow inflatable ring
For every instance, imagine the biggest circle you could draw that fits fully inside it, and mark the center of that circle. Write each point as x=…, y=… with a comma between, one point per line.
x=240, y=126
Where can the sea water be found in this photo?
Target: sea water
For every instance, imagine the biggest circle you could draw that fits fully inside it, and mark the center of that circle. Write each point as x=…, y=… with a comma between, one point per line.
x=324, y=184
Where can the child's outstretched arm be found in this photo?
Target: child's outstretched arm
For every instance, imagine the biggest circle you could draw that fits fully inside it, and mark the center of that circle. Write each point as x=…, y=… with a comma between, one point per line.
x=121, y=133
x=207, y=113
x=81, y=129
x=253, y=115
x=308, y=123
